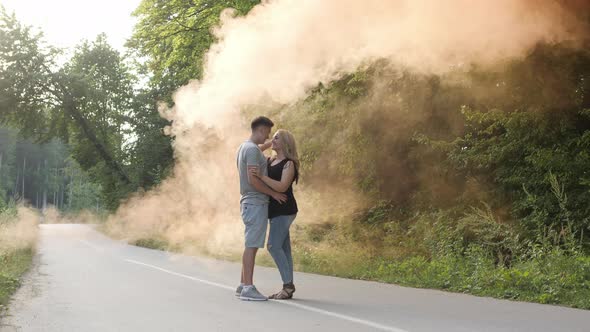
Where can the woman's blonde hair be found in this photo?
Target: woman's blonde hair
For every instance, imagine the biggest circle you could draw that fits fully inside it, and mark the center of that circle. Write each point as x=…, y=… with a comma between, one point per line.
x=289, y=147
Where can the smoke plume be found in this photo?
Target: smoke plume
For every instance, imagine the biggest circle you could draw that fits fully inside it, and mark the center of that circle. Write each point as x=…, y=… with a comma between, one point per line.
x=20, y=231
x=280, y=51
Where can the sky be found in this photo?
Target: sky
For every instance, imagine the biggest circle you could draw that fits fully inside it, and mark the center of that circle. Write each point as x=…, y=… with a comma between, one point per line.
x=66, y=22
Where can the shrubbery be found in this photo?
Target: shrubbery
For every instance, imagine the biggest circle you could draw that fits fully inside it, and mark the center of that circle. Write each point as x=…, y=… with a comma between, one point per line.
x=17, y=240
x=480, y=178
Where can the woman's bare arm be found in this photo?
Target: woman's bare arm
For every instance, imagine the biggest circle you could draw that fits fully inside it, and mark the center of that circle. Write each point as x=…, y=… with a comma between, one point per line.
x=260, y=186
x=286, y=178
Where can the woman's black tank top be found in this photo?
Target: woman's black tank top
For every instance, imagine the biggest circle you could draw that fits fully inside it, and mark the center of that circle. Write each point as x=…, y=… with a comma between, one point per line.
x=276, y=209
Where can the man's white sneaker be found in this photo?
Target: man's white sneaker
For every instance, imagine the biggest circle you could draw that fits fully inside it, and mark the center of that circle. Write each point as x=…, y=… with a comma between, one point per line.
x=250, y=293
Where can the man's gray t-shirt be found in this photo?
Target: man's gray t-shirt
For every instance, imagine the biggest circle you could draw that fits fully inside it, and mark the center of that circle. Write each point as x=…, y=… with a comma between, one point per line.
x=250, y=155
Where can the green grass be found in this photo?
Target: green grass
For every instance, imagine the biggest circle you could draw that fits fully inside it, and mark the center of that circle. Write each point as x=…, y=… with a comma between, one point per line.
x=555, y=277
x=13, y=265
x=151, y=243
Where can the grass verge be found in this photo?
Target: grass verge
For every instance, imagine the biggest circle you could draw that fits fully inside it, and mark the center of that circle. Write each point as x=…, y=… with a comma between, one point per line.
x=13, y=264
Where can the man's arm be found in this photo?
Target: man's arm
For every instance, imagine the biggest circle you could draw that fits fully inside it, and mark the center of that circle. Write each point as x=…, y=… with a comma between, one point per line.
x=265, y=146
x=263, y=188
x=252, y=156
x=286, y=178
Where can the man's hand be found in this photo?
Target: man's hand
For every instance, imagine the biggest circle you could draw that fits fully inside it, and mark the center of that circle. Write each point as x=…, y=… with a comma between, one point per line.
x=253, y=170
x=279, y=197
x=254, y=173
x=267, y=144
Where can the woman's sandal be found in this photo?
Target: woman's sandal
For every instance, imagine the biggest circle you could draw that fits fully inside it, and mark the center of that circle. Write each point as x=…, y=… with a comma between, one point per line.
x=284, y=294
x=281, y=295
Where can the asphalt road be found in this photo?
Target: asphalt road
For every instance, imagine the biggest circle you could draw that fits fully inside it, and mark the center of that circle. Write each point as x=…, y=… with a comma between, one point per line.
x=84, y=281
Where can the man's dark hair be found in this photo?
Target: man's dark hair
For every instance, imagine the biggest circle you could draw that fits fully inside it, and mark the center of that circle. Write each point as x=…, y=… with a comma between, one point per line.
x=261, y=121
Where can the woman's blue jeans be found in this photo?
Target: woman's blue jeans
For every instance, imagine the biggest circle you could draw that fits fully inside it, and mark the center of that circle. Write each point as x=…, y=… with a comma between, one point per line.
x=279, y=245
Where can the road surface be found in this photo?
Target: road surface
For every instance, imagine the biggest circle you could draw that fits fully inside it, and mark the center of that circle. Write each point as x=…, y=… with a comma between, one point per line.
x=84, y=281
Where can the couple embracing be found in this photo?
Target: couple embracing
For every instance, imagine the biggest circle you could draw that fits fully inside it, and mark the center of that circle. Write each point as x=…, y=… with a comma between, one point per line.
x=266, y=188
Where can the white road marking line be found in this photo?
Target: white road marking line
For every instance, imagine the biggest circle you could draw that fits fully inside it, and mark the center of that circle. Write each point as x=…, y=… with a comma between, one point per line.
x=210, y=283
x=342, y=316
x=91, y=245
x=300, y=306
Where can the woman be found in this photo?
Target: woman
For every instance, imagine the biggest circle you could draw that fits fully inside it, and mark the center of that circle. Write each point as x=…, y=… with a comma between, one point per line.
x=283, y=170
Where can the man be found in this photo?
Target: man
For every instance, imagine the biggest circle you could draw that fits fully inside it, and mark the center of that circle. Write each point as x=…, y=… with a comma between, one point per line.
x=254, y=204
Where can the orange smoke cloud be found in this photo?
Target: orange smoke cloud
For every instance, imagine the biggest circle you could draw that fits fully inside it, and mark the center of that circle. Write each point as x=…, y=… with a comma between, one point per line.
x=282, y=49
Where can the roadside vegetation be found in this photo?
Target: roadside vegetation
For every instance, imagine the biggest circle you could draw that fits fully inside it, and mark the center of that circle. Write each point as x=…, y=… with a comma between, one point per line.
x=18, y=235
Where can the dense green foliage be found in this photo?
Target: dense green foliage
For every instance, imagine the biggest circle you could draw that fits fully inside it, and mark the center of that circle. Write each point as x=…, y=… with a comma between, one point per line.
x=174, y=36
x=89, y=102
x=438, y=142
x=94, y=102
x=42, y=174
x=479, y=176
x=535, y=148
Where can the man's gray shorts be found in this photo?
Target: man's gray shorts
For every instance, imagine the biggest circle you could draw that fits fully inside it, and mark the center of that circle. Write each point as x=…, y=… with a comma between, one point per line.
x=255, y=218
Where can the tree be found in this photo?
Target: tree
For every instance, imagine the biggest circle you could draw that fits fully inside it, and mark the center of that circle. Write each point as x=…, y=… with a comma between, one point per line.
x=171, y=39
x=174, y=36
x=83, y=194
x=533, y=146
x=7, y=163
x=85, y=102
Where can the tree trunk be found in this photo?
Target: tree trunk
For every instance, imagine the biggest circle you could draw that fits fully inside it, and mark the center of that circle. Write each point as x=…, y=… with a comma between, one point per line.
x=2, y=184
x=37, y=204
x=70, y=196
x=24, y=172
x=15, y=195
x=55, y=193
x=102, y=150
x=45, y=187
